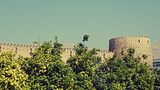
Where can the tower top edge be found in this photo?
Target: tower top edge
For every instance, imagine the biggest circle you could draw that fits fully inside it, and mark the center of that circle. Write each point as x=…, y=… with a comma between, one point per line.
x=120, y=37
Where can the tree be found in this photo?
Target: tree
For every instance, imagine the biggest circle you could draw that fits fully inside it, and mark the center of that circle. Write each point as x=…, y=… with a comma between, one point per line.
x=60, y=76
x=11, y=75
x=36, y=66
x=85, y=38
x=157, y=80
x=84, y=63
x=126, y=73
x=46, y=69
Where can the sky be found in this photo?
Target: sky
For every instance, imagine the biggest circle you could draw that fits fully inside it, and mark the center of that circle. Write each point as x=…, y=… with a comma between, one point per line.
x=26, y=21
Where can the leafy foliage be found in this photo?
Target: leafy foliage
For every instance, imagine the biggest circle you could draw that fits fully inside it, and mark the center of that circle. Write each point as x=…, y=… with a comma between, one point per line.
x=46, y=69
x=84, y=64
x=11, y=75
x=85, y=38
x=60, y=76
x=157, y=80
x=126, y=73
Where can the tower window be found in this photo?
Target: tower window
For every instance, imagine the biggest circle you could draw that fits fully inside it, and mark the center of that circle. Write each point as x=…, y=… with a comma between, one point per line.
x=139, y=40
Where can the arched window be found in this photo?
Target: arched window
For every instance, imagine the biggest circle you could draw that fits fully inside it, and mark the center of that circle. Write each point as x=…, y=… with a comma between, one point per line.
x=139, y=40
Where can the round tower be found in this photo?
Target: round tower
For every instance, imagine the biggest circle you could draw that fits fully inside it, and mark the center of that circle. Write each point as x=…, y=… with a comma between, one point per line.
x=141, y=44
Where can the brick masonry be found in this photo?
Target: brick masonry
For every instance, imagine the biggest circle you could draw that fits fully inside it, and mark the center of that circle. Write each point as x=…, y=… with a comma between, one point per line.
x=141, y=44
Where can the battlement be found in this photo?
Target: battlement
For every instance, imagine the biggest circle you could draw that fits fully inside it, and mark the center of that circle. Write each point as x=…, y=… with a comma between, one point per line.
x=139, y=36
x=105, y=51
x=17, y=45
x=68, y=49
x=117, y=45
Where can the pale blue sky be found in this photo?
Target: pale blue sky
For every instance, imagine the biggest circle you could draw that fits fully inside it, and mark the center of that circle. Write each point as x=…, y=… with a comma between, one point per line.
x=25, y=21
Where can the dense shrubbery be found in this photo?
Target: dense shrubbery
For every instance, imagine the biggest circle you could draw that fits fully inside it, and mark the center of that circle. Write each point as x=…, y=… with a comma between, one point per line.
x=45, y=70
x=124, y=74
x=12, y=77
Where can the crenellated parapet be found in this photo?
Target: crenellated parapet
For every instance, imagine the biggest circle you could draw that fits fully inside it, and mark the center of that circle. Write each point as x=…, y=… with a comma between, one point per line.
x=17, y=45
x=67, y=49
x=139, y=36
x=20, y=49
x=104, y=51
x=104, y=54
x=117, y=45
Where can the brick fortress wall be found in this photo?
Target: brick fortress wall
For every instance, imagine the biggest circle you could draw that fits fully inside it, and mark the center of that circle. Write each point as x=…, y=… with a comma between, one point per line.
x=25, y=50
x=141, y=44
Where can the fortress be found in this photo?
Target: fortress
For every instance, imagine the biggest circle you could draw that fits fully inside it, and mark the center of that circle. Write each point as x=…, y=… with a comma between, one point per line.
x=117, y=45
x=141, y=44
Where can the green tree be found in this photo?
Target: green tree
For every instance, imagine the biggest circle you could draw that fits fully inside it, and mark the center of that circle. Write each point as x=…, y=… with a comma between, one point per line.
x=126, y=73
x=85, y=38
x=46, y=69
x=84, y=63
x=11, y=75
x=60, y=76
x=157, y=80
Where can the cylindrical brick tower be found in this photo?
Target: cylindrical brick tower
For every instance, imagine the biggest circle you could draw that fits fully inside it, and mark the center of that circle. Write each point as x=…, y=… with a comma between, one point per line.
x=141, y=44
